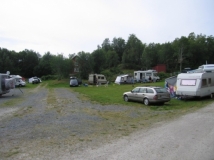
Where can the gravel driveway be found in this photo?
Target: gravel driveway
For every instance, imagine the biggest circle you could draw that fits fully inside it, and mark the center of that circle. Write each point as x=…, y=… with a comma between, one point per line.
x=56, y=124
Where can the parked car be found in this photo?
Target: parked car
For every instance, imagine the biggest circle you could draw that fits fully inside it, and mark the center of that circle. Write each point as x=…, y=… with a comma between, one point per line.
x=34, y=80
x=147, y=95
x=73, y=82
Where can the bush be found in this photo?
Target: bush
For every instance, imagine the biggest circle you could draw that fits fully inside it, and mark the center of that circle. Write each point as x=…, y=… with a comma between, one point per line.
x=49, y=77
x=163, y=75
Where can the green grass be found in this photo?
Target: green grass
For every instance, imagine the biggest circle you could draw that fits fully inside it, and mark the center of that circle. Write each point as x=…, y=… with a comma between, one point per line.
x=113, y=95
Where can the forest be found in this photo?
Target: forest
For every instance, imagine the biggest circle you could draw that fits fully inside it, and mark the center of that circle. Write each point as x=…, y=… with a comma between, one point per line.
x=111, y=57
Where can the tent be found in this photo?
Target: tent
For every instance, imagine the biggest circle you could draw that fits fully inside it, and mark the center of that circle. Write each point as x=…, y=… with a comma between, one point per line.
x=170, y=84
x=124, y=79
x=171, y=80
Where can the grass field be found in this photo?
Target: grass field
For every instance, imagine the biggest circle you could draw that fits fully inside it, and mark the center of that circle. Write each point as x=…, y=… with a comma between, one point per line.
x=112, y=94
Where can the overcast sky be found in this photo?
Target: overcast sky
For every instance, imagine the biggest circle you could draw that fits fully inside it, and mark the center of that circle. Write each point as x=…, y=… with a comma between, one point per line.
x=71, y=26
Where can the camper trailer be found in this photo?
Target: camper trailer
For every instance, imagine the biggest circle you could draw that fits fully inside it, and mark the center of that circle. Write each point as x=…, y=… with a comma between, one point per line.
x=97, y=79
x=6, y=83
x=143, y=76
x=195, y=84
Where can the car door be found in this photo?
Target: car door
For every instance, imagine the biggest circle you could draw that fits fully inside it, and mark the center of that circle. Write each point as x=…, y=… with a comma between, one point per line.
x=141, y=94
x=133, y=95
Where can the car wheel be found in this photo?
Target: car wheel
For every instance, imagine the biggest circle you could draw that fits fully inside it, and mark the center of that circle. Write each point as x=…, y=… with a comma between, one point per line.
x=146, y=101
x=126, y=98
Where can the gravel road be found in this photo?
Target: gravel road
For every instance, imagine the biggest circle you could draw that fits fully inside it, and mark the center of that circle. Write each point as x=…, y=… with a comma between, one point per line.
x=190, y=137
x=56, y=124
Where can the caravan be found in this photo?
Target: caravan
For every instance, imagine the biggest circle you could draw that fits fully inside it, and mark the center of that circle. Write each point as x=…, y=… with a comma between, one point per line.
x=143, y=76
x=195, y=84
x=97, y=79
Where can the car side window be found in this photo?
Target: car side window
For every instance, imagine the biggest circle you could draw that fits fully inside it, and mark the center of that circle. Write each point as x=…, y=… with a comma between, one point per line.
x=149, y=90
x=142, y=90
x=135, y=90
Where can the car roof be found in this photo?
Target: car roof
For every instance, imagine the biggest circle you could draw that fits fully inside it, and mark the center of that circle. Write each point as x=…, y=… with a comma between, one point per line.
x=148, y=87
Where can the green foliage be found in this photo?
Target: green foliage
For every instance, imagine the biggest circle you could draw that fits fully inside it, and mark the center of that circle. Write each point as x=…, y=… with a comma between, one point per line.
x=28, y=61
x=133, y=53
x=163, y=75
x=118, y=45
x=44, y=67
x=99, y=60
x=85, y=63
x=49, y=77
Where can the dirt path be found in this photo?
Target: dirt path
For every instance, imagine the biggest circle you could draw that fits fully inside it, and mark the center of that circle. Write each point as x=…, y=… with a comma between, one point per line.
x=55, y=124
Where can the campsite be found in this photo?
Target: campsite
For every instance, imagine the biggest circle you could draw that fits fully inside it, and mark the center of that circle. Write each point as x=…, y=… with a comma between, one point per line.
x=83, y=115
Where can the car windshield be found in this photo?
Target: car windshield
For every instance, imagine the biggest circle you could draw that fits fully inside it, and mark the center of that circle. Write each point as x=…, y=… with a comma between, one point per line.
x=161, y=90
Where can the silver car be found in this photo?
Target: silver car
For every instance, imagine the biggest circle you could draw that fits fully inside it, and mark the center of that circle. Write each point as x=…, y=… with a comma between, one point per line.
x=73, y=82
x=147, y=95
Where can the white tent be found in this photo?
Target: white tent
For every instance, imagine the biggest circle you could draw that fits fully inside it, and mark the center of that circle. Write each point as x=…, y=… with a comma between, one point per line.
x=123, y=79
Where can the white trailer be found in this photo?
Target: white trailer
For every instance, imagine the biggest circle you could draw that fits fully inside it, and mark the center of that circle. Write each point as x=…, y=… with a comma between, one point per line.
x=143, y=76
x=195, y=84
x=97, y=79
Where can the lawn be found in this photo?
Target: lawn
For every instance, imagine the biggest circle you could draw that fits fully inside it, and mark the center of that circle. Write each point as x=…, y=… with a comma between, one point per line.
x=112, y=94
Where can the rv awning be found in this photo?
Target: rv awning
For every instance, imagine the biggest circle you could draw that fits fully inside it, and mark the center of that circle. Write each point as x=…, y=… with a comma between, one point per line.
x=171, y=80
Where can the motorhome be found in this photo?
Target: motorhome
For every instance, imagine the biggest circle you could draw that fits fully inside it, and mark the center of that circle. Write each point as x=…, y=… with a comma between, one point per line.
x=143, y=76
x=97, y=79
x=19, y=81
x=195, y=84
x=6, y=83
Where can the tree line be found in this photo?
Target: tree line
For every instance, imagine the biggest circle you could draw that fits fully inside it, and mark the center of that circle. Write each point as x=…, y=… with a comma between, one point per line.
x=113, y=56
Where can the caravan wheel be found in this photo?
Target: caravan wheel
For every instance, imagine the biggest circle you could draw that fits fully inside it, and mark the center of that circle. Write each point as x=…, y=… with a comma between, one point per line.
x=211, y=95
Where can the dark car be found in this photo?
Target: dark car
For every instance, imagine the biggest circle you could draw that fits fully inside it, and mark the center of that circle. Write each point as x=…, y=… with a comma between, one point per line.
x=73, y=82
x=79, y=81
x=147, y=95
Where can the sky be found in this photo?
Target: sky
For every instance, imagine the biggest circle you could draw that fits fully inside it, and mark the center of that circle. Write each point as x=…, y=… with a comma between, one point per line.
x=71, y=26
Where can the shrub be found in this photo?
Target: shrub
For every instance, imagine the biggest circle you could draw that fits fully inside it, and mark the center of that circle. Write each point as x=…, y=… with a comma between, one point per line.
x=163, y=75
x=49, y=77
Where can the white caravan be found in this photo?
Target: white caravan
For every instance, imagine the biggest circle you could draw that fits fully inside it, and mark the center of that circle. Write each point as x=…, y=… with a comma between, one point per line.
x=143, y=76
x=97, y=79
x=195, y=84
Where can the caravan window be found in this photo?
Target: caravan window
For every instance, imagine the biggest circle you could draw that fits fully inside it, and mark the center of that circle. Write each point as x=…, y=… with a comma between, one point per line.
x=148, y=74
x=209, y=80
x=204, y=83
x=188, y=82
